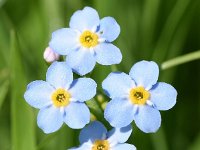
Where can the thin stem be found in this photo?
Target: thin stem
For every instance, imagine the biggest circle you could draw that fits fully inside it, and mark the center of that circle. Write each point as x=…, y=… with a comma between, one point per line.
x=181, y=60
x=114, y=68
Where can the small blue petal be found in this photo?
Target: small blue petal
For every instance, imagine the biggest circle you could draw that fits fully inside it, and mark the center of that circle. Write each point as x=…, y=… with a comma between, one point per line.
x=77, y=115
x=94, y=131
x=145, y=73
x=118, y=84
x=124, y=147
x=119, y=135
x=81, y=61
x=84, y=146
x=50, y=119
x=64, y=40
x=109, y=29
x=83, y=89
x=38, y=94
x=59, y=75
x=163, y=96
x=107, y=54
x=119, y=112
x=148, y=119
x=86, y=19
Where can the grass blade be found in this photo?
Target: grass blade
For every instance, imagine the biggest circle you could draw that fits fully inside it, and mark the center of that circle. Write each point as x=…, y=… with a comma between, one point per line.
x=22, y=122
x=181, y=59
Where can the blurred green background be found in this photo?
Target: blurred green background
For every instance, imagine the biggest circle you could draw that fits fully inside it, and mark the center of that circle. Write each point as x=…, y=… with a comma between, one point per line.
x=155, y=30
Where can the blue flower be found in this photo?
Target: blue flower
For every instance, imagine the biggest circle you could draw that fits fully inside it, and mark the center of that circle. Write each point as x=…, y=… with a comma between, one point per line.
x=138, y=96
x=60, y=98
x=96, y=137
x=87, y=41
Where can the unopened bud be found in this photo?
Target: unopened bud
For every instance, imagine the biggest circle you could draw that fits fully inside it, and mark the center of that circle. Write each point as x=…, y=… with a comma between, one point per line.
x=100, y=98
x=103, y=106
x=50, y=56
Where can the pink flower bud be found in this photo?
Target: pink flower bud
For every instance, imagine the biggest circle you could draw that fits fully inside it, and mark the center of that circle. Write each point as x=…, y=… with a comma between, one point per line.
x=50, y=56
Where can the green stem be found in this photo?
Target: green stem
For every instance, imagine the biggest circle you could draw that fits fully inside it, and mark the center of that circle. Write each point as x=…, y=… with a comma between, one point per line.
x=95, y=108
x=181, y=60
x=114, y=68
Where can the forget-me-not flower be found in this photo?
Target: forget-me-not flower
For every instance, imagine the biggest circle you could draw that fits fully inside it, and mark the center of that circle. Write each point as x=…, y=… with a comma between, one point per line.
x=138, y=96
x=96, y=137
x=87, y=41
x=60, y=98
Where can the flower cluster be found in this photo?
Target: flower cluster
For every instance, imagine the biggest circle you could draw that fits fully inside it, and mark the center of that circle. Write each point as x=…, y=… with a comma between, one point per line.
x=61, y=99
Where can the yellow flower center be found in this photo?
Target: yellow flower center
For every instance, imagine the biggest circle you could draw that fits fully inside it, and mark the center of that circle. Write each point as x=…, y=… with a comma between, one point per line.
x=89, y=39
x=61, y=97
x=139, y=95
x=101, y=145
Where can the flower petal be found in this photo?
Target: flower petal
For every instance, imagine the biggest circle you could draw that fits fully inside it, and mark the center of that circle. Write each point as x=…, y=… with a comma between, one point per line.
x=163, y=96
x=59, y=75
x=50, y=119
x=77, y=115
x=145, y=73
x=95, y=130
x=109, y=29
x=148, y=119
x=117, y=84
x=107, y=54
x=64, y=40
x=119, y=112
x=119, y=135
x=124, y=147
x=81, y=61
x=83, y=89
x=84, y=146
x=38, y=94
x=85, y=19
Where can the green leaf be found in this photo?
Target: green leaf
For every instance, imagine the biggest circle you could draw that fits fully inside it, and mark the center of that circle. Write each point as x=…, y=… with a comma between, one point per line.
x=148, y=24
x=2, y=2
x=196, y=144
x=3, y=91
x=22, y=122
x=169, y=29
x=4, y=85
